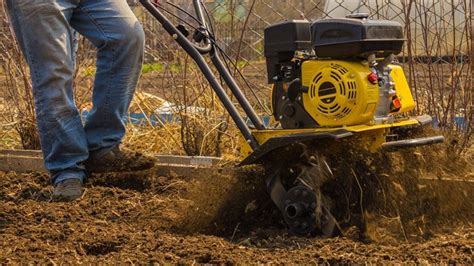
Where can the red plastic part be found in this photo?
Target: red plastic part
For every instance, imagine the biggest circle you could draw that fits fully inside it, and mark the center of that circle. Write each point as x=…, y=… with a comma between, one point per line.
x=373, y=78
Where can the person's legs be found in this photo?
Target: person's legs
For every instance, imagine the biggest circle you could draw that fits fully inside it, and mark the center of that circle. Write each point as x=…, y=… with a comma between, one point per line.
x=43, y=31
x=113, y=28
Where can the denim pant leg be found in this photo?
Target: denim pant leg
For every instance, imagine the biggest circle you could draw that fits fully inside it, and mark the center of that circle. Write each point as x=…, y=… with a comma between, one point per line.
x=113, y=28
x=42, y=29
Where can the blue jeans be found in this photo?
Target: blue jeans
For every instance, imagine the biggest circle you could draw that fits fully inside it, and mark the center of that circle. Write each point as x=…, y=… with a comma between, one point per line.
x=44, y=31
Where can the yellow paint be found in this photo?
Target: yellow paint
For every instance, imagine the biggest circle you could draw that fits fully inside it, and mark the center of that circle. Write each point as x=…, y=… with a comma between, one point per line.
x=402, y=89
x=350, y=100
x=370, y=140
x=375, y=133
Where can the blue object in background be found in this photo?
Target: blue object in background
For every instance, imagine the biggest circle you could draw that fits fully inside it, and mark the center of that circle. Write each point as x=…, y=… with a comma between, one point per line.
x=459, y=121
x=141, y=119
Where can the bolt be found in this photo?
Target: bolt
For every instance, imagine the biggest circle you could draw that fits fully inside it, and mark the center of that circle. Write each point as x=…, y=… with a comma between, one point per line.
x=313, y=205
x=297, y=192
x=287, y=202
x=305, y=193
x=313, y=215
x=175, y=36
x=283, y=97
x=304, y=225
x=296, y=224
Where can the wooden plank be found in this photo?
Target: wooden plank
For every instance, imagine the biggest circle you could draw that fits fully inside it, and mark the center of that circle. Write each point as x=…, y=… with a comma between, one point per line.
x=21, y=164
x=32, y=153
x=22, y=161
x=188, y=160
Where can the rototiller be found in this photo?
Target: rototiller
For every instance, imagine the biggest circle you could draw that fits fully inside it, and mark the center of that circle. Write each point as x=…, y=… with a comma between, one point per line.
x=332, y=79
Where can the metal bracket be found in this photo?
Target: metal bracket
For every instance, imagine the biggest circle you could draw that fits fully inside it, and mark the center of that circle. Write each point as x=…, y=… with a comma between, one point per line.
x=282, y=141
x=410, y=143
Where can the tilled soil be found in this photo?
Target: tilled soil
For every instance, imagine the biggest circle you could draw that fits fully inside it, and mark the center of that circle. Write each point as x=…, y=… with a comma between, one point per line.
x=224, y=217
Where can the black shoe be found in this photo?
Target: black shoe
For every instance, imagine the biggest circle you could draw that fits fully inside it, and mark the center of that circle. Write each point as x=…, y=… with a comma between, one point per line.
x=119, y=160
x=68, y=190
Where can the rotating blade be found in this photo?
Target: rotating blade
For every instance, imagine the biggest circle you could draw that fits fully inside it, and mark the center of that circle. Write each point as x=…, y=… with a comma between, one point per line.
x=314, y=173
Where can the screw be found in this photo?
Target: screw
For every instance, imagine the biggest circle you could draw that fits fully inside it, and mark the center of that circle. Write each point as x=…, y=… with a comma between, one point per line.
x=175, y=36
x=297, y=192
x=305, y=193
x=296, y=224
x=304, y=225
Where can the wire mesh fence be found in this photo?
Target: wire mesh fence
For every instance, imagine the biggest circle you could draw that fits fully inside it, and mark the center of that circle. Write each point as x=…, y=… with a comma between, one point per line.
x=437, y=56
x=426, y=22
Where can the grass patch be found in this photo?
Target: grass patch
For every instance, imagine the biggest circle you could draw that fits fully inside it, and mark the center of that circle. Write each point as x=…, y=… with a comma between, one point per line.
x=154, y=67
x=146, y=68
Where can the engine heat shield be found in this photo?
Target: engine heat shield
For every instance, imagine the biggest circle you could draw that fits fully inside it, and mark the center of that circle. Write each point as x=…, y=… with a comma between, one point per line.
x=339, y=93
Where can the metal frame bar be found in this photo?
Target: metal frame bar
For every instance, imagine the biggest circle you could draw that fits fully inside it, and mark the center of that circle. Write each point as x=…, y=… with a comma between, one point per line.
x=196, y=53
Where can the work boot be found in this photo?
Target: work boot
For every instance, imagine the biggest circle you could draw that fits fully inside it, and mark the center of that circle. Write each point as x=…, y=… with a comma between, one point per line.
x=119, y=160
x=68, y=190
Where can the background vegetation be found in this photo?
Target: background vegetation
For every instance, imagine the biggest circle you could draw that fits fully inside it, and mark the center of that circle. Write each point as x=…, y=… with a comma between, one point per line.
x=437, y=59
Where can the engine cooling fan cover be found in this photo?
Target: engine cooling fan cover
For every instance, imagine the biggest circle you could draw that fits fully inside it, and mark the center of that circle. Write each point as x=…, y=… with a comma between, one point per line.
x=338, y=92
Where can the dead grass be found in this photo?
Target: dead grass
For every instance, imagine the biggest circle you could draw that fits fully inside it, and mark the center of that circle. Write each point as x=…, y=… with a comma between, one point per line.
x=205, y=129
